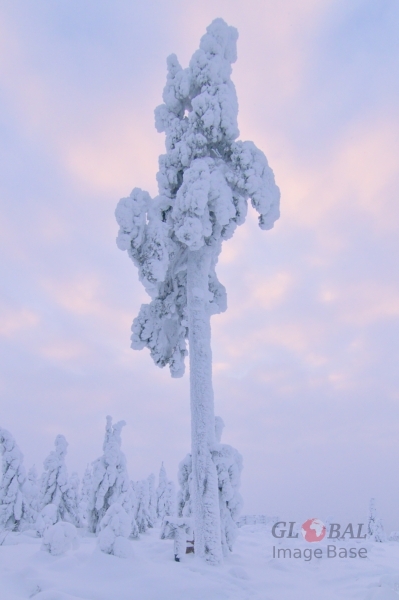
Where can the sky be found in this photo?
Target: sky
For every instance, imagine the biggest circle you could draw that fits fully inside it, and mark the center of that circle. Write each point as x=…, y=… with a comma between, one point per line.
x=305, y=358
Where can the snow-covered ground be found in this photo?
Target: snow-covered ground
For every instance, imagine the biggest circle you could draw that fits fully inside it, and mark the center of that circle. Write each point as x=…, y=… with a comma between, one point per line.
x=150, y=573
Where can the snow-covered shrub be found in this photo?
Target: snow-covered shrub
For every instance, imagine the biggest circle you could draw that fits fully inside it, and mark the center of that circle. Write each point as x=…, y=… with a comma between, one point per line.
x=15, y=510
x=59, y=538
x=110, y=480
x=375, y=528
x=393, y=536
x=114, y=531
x=47, y=517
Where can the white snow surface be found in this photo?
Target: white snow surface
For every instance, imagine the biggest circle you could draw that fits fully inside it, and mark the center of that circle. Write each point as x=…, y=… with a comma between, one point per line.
x=150, y=573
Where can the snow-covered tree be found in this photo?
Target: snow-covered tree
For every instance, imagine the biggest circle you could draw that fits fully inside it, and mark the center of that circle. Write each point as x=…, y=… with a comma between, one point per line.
x=85, y=495
x=170, y=500
x=55, y=486
x=229, y=466
x=72, y=500
x=185, y=476
x=15, y=511
x=205, y=180
x=114, y=531
x=143, y=516
x=46, y=518
x=59, y=538
x=31, y=491
x=152, y=507
x=160, y=492
x=110, y=480
x=375, y=528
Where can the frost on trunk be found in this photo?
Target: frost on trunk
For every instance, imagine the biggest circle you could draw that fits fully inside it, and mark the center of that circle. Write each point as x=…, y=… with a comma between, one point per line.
x=205, y=180
x=15, y=512
x=375, y=528
x=110, y=480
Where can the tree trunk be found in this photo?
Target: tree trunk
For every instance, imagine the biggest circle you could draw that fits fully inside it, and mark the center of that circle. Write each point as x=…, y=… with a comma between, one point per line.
x=205, y=483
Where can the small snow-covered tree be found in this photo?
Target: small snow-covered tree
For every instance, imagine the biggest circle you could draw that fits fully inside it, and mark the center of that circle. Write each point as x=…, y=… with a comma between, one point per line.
x=54, y=486
x=15, y=511
x=47, y=517
x=110, y=479
x=170, y=500
x=185, y=476
x=152, y=507
x=31, y=491
x=375, y=528
x=228, y=466
x=114, y=531
x=59, y=538
x=143, y=516
x=205, y=180
x=160, y=492
x=72, y=500
x=85, y=495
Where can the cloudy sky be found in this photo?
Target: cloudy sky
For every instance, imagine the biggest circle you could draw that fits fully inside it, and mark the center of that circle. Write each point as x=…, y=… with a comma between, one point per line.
x=306, y=357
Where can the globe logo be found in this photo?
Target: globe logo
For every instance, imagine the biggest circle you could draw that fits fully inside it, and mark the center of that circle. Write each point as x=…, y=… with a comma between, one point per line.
x=313, y=530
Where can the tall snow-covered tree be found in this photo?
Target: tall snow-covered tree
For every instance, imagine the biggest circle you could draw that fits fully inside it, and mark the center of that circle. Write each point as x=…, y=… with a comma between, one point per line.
x=110, y=480
x=15, y=511
x=205, y=180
